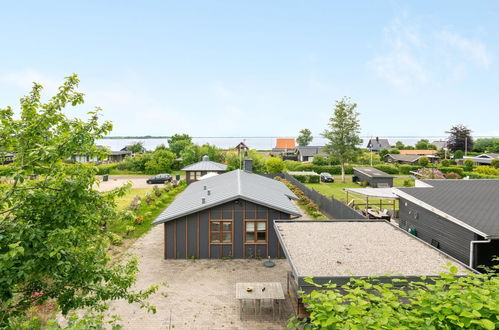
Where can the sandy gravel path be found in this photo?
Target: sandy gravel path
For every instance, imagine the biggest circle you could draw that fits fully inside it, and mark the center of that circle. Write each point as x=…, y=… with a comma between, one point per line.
x=116, y=181
x=199, y=294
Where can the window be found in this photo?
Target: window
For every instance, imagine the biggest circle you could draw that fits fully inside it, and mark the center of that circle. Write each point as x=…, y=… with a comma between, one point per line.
x=221, y=232
x=256, y=232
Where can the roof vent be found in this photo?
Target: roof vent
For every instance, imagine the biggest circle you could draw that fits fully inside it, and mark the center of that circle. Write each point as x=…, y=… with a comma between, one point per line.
x=203, y=200
x=205, y=158
x=204, y=187
x=208, y=192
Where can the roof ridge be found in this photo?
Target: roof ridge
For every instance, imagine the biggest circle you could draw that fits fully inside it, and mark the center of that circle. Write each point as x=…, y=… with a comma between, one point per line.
x=239, y=182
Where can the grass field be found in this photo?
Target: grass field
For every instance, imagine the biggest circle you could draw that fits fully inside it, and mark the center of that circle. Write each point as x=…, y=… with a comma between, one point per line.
x=123, y=202
x=336, y=189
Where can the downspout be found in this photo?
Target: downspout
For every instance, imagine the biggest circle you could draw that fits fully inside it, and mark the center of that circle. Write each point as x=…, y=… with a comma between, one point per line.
x=471, y=250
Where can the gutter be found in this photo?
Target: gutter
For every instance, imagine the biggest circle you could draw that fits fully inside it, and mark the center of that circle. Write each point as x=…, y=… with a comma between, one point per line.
x=472, y=244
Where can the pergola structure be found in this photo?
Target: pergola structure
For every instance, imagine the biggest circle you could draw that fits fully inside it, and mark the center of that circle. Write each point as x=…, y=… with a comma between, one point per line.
x=384, y=197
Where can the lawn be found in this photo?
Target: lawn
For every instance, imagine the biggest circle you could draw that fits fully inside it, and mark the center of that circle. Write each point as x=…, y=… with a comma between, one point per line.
x=124, y=201
x=336, y=189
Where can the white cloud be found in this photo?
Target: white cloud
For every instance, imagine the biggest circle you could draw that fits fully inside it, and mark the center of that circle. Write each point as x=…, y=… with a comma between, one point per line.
x=471, y=50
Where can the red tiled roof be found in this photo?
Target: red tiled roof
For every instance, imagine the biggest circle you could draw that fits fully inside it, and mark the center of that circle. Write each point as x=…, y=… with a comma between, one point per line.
x=285, y=144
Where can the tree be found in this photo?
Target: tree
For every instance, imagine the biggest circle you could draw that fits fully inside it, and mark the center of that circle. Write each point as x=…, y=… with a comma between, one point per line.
x=178, y=142
x=423, y=161
x=494, y=163
x=305, y=137
x=458, y=154
x=136, y=147
x=274, y=165
x=53, y=237
x=190, y=155
x=343, y=133
x=468, y=165
x=160, y=162
x=486, y=145
x=399, y=145
x=460, y=138
x=383, y=153
x=425, y=144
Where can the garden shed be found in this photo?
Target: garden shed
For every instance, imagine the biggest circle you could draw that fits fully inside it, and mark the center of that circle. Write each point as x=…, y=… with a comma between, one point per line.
x=459, y=217
x=195, y=171
x=374, y=177
x=227, y=216
x=337, y=250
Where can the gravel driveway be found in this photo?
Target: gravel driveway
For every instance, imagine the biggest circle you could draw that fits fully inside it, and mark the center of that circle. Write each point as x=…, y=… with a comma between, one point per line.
x=116, y=181
x=199, y=294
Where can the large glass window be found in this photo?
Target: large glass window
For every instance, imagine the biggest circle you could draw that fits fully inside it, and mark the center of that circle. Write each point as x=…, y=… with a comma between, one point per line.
x=256, y=231
x=221, y=232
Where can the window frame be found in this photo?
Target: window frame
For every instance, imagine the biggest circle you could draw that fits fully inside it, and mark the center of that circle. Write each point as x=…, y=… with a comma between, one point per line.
x=255, y=231
x=221, y=231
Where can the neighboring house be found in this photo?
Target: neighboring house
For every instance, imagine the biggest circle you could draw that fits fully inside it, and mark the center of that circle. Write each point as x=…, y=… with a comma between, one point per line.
x=374, y=177
x=427, y=153
x=227, y=216
x=407, y=159
x=378, y=144
x=338, y=250
x=440, y=144
x=307, y=153
x=460, y=217
x=285, y=148
x=84, y=159
x=118, y=156
x=195, y=171
x=483, y=159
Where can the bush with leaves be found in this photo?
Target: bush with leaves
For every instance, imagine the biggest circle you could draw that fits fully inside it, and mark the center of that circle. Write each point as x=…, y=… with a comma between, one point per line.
x=488, y=170
x=494, y=163
x=447, y=301
x=452, y=176
x=156, y=191
x=274, y=165
x=53, y=241
x=430, y=173
x=423, y=161
x=458, y=154
x=445, y=162
x=468, y=165
x=135, y=203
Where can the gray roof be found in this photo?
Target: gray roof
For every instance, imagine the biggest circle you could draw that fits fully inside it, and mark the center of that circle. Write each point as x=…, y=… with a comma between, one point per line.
x=404, y=158
x=309, y=151
x=472, y=202
x=227, y=187
x=372, y=172
x=378, y=144
x=206, y=165
x=491, y=155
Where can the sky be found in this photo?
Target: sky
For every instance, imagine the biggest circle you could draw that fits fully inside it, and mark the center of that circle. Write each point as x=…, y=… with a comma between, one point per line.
x=260, y=68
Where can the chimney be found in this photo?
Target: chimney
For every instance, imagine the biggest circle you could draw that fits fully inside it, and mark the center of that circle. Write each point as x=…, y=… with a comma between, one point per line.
x=248, y=164
x=203, y=200
x=208, y=192
x=377, y=139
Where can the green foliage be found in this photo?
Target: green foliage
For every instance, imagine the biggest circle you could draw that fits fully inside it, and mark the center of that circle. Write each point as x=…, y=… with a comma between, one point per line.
x=305, y=137
x=425, y=144
x=321, y=160
x=445, y=162
x=407, y=169
x=310, y=207
x=136, y=147
x=308, y=178
x=444, y=302
x=234, y=162
x=423, y=161
x=468, y=165
x=494, y=163
x=275, y=165
x=383, y=153
x=160, y=162
x=115, y=239
x=488, y=170
x=399, y=145
x=343, y=133
x=390, y=169
x=178, y=142
x=483, y=145
x=452, y=169
x=408, y=183
x=106, y=168
x=53, y=237
x=452, y=176
x=193, y=153
x=458, y=154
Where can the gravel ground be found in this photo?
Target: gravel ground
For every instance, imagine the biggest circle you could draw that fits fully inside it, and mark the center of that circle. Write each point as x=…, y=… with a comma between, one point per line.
x=199, y=294
x=358, y=248
x=116, y=181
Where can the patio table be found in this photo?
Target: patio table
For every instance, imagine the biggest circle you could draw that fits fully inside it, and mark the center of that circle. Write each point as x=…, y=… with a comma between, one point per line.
x=261, y=290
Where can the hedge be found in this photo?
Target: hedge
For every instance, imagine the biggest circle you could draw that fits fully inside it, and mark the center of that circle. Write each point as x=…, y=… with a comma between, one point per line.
x=390, y=169
x=448, y=169
x=106, y=168
x=308, y=178
x=475, y=175
x=407, y=169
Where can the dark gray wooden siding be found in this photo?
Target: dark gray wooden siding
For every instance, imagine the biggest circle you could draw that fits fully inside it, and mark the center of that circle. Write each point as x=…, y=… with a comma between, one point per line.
x=189, y=236
x=430, y=227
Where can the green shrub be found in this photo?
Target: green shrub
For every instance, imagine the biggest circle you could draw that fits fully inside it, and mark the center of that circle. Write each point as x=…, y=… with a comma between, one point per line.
x=6, y=170
x=292, y=165
x=156, y=191
x=407, y=169
x=487, y=170
x=468, y=165
x=115, y=239
x=454, y=169
x=274, y=165
x=495, y=163
x=129, y=229
x=139, y=220
x=408, y=183
x=106, y=168
x=390, y=169
x=445, y=162
x=314, y=179
x=458, y=154
x=423, y=161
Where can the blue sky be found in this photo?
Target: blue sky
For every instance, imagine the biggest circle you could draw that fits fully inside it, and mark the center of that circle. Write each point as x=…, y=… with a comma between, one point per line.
x=261, y=68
